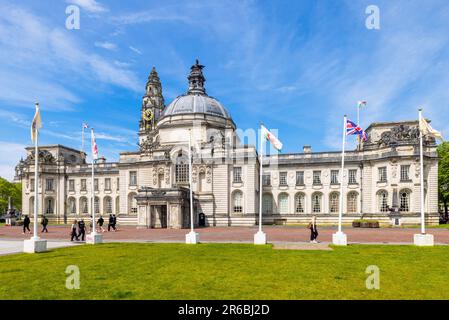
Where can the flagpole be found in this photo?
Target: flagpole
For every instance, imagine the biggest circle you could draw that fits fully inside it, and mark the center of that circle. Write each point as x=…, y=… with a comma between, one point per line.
x=82, y=137
x=423, y=228
x=192, y=237
x=260, y=181
x=358, y=123
x=339, y=238
x=94, y=229
x=36, y=184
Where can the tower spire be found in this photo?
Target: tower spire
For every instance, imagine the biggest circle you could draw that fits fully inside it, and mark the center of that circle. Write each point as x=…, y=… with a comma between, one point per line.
x=196, y=79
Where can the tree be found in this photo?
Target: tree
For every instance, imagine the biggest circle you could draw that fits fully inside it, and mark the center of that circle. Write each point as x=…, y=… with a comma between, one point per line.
x=13, y=190
x=443, y=175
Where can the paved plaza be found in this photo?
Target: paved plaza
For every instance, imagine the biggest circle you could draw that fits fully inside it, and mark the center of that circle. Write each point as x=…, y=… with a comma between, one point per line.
x=275, y=234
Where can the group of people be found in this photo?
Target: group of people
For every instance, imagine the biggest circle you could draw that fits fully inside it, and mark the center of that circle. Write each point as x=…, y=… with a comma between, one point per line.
x=27, y=222
x=78, y=228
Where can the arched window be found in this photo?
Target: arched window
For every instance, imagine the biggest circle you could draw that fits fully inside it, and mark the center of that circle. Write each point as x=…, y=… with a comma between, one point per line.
x=31, y=209
x=352, y=202
x=299, y=203
x=107, y=205
x=97, y=205
x=117, y=205
x=382, y=200
x=267, y=204
x=49, y=205
x=237, y=202
x=132, y=203
x=283, y=203
x=84, y=206
x=334, y=202
x=316, y=202
x=404, y=197
x=182, y=168
x=71, y=205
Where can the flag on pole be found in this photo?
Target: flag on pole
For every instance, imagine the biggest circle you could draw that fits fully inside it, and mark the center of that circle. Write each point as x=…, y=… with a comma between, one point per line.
x=271, y=137
x=94, y=146
x=352, y=128
x=85, y=125
x=361, y=103
x=425, y=128
x=36, y=124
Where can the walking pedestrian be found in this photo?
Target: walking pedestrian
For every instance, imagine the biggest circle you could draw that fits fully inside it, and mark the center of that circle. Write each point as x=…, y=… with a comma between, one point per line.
x=110, y=222
x=74, y=231
x=44, y=223
x=81, y=229
x=114, y=222
x=100, y=223
x=313, y=230
x=26, y=224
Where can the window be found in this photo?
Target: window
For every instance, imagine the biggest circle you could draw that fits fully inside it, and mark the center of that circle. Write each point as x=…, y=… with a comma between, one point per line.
x=84, y=205
x=31, y=205
x=107, y=206
x=352, y=202
x=299, y=203
x=383, y=201
x=267, y=204
x=334, y=202
x=237, y=174
x=334, y=176
x=118, y=184
x=317, y=177
x=32, y=184
x=182, y=173
x=266, y=179
x=71, y=185
x=49, y=184
x=132, y=203
x=107, y=184
x=72, y=205
x=237, y=202
x=382, y=174
x=49, y=206
x=133, y=178
x=299, y=178
x=405, y=173
x=117, y=205
x=283, y=203
x=282, y=178
x=83, y=185
x=97, y=205
x=316, y=202
x=96, y=184
x=404, y=201
x=352, y=178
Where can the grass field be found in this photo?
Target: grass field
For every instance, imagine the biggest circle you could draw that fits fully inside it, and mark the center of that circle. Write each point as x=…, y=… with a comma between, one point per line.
x=226, y=271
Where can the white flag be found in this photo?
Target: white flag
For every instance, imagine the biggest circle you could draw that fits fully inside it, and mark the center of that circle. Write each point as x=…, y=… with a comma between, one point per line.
x=36, y=124
x=271, y=137
x=425, y=128
x=94, y=145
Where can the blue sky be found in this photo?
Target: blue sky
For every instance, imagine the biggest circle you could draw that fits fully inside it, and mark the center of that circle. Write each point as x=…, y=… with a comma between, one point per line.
x=297, y=66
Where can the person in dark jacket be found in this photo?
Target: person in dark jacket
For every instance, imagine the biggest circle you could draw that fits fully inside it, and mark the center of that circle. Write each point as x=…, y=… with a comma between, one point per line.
x=100, y=223
x=313, y=230
x=114, y=222
x=44, y=223
x=74, y=231
x=110, y=222
x=81, y=229
x=26, y=224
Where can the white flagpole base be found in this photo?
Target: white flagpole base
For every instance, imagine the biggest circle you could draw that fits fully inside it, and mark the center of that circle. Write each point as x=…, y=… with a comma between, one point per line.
x=423, y=240
x=339, y=239
x=260, y=237
x=94, y=238
x=192, y=237
x=34, y=245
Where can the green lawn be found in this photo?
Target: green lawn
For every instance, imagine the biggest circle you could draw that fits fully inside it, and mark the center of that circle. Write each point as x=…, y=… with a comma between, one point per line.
x=226, y=271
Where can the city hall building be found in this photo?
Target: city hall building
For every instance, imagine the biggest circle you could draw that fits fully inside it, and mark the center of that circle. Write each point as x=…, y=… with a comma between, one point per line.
x=149, y=187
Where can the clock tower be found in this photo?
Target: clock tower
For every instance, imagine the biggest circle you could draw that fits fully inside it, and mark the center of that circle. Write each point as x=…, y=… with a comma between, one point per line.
x=152, y=104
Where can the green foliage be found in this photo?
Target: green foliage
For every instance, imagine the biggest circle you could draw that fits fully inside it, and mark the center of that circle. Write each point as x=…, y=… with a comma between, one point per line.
x=10, y=189
x=226, y=271
x=443, y=171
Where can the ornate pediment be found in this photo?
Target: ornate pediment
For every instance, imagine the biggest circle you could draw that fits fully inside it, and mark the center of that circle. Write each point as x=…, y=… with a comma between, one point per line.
x=401, y=134
x=45, y=157
x=149, y=144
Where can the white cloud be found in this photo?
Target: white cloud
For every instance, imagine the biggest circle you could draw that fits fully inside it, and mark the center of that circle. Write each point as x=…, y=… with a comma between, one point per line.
x=106, y=45
x=135, y=50
x=89, y=5
x=11, y=154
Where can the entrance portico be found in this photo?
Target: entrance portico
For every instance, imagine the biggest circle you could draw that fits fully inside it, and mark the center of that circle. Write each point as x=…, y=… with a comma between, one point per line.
x=164, y=208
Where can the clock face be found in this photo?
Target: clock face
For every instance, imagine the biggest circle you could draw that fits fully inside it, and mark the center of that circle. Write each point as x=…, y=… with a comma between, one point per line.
x=148, y=115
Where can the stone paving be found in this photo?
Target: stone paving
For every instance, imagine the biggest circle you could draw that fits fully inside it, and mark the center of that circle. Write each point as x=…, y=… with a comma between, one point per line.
x=275, y=234
x=16, y=246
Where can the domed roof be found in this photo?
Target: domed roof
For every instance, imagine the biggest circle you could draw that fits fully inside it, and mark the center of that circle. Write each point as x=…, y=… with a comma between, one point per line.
x=196, y=103
x=196, y=100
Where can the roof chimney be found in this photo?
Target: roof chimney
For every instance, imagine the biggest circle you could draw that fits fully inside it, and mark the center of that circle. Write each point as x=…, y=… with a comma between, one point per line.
x=307, y=149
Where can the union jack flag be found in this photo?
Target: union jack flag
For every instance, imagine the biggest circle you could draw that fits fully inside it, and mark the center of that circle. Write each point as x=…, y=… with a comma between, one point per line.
x=352, y=128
